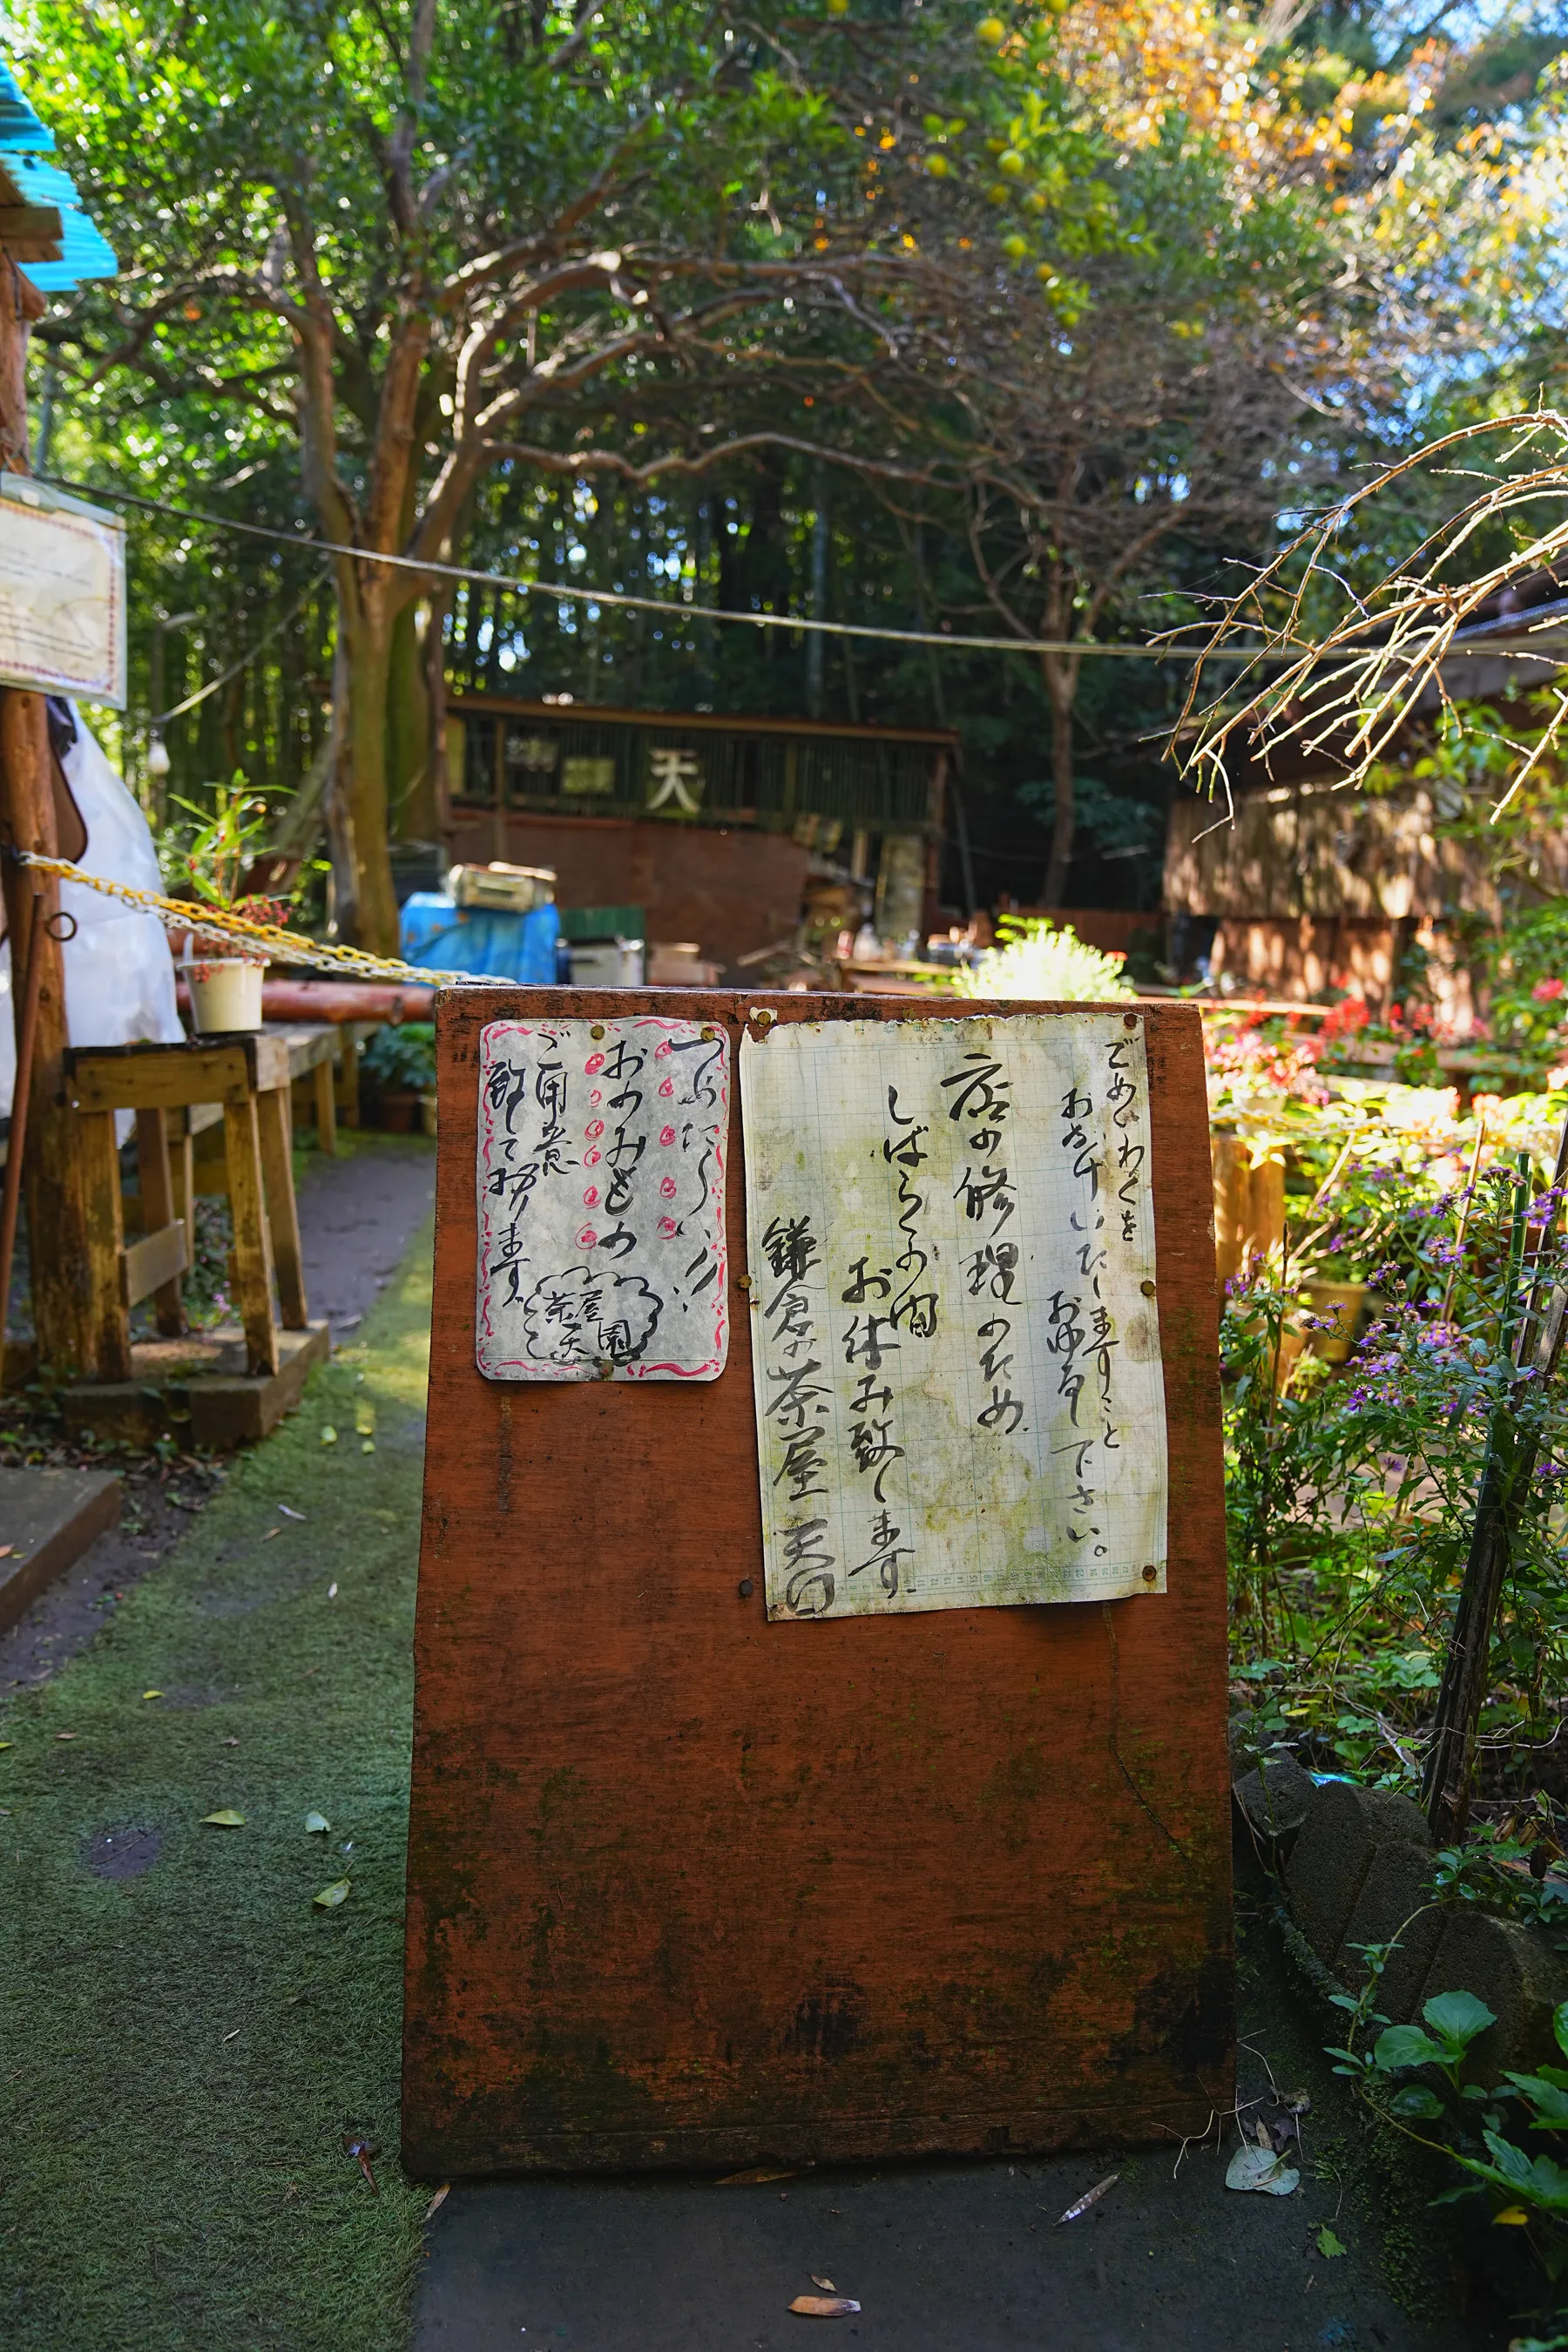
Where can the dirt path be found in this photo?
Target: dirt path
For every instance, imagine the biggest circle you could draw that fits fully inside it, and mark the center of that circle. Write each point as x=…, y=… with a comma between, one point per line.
x=357, y=1214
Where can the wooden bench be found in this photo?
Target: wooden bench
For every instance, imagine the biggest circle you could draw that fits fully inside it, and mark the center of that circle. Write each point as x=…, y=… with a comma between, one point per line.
x=245, y=1082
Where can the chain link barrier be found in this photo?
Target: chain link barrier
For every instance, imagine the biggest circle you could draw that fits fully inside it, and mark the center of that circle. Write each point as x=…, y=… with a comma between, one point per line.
x=282, y=946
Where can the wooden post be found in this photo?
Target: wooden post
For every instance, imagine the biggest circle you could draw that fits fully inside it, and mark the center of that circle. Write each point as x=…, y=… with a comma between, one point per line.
x=158, y=1209
x=53, y=1173
x=252, y=1245
x=108, y=1313
x=272, y=1109
x=322, y=1080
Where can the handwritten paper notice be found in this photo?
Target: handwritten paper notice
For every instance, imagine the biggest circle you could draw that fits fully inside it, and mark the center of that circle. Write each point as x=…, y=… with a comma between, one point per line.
x=959, y=1396
x=63, y=595
x=600, y=1200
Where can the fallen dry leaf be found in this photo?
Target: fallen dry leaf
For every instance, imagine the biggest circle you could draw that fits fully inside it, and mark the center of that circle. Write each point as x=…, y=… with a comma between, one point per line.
x=5, y=1550
x=228, y=1819
x=290, y=1513
x=1260, y=2169
x=362, y=2150
x=65, y=1735
x=758, y=2172
x=331, y=1896
x=1090, y=2196
x=824, y=2307
x=151, y=1694
x=436, y=2202
x=228, y=1743
x=825, y=2284
x=317, y=1822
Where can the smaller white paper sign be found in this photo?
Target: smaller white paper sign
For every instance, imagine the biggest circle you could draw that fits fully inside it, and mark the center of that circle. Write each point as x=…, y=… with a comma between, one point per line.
x=62, y=594
x=600, y=1200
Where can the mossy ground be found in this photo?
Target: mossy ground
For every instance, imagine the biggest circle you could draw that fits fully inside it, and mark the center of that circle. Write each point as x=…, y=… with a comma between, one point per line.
x=184, y=2050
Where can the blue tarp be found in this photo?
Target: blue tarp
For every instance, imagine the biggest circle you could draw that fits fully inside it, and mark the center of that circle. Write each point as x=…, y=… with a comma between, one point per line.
x=446, y=937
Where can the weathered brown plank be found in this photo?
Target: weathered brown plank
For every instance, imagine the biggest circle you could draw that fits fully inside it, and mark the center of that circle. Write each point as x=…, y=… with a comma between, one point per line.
x=252, y=1259
x=156, y=1176
x=273, y=1111
x=109, y=1356
x=155, y=1263
x=160, y=1078
x=323, y=1079
x=689, y=1888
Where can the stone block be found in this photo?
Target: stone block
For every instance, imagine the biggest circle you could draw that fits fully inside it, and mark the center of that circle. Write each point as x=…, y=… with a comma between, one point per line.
x=1397, y=1885
x=49, y=1519
x=1275, y=1800
x=1519, y=1977
x=1329, y=1862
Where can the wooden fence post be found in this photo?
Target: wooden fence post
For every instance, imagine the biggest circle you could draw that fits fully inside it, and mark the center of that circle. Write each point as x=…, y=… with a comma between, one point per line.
x=56, y=1191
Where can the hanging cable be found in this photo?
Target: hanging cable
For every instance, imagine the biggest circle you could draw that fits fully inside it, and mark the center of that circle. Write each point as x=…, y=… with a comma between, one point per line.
x=622, y=599
x=162, y=718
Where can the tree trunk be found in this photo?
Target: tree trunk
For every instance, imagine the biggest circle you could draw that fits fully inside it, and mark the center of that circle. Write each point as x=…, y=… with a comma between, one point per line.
x=1061, y=687
x=364, y=903
x=409, y=774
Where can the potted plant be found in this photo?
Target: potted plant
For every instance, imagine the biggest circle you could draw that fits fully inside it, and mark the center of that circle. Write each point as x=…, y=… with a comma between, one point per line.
x=222, y=974
x=400, y=1067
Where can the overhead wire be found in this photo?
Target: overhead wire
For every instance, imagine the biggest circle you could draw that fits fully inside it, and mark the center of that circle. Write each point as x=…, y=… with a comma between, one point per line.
x=624, y=598
x=161, y=718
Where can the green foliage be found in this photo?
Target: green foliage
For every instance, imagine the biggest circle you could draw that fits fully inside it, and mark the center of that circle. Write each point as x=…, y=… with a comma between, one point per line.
x=1036, y=958
x=1350, y=1499
x=402, y=1060
x=213, y=853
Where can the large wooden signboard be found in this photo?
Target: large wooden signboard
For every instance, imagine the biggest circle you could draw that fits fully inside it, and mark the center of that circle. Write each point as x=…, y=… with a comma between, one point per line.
x=767, y=1804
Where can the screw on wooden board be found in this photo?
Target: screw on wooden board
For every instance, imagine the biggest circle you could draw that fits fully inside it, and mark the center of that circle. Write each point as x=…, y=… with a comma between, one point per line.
x=1147, y=1288
x=604, y=1369
x=745, y=1588
x=742, y=1282
x=761, y=1018
x=597, y=1030
x=708, y=1034
x=1150, y=1574
x=1129, y=1021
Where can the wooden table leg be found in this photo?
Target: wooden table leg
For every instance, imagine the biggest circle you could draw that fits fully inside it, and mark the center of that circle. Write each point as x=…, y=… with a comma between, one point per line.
x=252, y=1247
x=323, y=1079
x=158, y=1209
x=272, y=1110
x=181, y=1160
x=348, y=1074
x=108, y=1318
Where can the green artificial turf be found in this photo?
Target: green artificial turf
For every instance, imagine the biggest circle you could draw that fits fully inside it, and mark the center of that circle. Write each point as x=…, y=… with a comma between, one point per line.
x=183, y=2052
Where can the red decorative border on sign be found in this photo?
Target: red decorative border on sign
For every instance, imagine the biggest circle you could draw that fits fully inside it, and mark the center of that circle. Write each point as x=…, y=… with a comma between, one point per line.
x=631, y=1024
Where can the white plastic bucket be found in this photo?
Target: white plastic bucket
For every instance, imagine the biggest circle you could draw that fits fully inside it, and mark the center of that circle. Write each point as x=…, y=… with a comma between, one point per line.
x=226, y=994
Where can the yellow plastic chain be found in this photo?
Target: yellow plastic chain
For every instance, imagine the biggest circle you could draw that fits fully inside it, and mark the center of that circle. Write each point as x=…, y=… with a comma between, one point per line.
x=282, y=946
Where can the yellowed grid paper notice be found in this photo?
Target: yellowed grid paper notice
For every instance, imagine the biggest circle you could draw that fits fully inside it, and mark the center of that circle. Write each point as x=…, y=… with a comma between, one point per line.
x=955, y=1339
x=63, y=595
